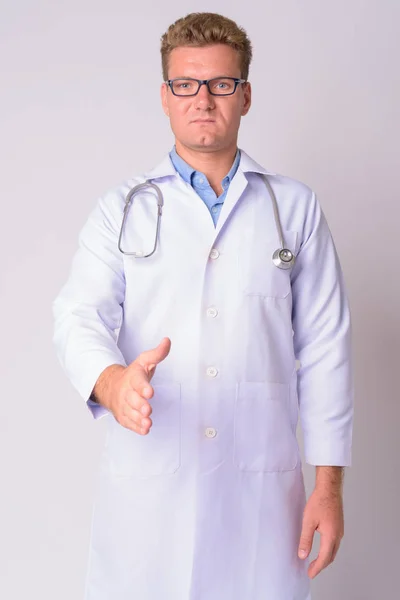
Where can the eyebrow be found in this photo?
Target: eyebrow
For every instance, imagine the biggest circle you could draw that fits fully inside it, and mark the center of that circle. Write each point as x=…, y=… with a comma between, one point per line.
x=213, y=77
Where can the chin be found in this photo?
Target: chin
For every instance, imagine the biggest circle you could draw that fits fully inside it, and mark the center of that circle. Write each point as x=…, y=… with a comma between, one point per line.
x=206, y=142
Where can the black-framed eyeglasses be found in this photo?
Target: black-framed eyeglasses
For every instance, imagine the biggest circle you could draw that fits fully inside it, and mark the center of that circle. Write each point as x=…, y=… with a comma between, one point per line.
x=217, y=86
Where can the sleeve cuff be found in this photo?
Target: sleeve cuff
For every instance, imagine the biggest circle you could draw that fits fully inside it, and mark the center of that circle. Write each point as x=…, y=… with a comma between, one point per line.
x=322, y=454
x=97, y=410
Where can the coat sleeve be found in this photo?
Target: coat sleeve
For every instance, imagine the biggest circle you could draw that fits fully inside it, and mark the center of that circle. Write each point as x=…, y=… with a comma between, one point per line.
x=88, y=309
x=322, y=337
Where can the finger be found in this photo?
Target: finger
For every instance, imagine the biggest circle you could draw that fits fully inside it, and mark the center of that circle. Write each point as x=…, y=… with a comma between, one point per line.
x=324, y=556
x=335, y=550
x=132, y=419
x=306, y=538
x=151, y=358
x=136, y=402
x=132, y=425
x=138, y=418
x=139, y=382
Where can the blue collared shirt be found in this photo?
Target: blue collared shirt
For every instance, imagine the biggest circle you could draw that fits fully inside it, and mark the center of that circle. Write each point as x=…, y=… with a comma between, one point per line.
x=200, y=184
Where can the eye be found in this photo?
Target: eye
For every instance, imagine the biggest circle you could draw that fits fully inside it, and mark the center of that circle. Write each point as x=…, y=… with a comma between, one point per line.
x=183, y=84
x=222, y=84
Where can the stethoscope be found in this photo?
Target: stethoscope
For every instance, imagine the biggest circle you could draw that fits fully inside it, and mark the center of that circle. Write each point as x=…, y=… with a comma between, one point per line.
x=283, y=258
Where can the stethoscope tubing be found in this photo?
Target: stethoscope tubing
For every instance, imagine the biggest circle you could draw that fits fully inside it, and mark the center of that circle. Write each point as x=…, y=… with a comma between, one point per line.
x=283, y=258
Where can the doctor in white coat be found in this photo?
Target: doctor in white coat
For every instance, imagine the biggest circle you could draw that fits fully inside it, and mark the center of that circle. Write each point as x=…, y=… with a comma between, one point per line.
x=203, y=356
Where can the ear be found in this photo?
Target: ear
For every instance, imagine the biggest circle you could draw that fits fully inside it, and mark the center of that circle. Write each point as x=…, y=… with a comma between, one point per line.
x=164, y=100
x=246, y=99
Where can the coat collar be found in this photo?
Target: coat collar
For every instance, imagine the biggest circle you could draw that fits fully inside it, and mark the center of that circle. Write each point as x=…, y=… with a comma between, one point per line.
x=166, y=167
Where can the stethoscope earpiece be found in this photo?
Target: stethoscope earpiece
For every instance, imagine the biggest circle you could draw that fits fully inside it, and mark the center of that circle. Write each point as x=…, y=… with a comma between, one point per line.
x=283, y=258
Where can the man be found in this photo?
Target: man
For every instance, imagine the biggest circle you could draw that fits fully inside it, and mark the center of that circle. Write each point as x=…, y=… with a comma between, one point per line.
x=201, y=493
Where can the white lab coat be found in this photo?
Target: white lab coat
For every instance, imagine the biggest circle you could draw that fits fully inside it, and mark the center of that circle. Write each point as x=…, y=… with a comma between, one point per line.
x=208, y=505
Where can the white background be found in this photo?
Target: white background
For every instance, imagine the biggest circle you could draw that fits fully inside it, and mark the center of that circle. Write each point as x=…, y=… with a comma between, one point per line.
x=80, y=112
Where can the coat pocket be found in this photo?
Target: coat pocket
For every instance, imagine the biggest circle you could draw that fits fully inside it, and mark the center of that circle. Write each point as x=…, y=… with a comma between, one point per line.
x=157, y=453
x=263, y=436
x=258, y=275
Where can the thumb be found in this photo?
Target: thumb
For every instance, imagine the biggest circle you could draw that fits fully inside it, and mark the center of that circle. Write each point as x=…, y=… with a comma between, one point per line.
x=306, y=539
x=150, y=358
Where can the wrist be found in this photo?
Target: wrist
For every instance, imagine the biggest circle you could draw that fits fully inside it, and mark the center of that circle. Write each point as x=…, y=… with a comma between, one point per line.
x=329, y=480
x=103, y=390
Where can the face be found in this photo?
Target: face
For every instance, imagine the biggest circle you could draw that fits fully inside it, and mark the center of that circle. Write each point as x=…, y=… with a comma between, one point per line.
x=205, y=122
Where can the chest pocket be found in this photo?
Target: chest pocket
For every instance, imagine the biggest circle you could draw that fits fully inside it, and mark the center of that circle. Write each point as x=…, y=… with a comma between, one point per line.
x=131, y=454
x=258, y=276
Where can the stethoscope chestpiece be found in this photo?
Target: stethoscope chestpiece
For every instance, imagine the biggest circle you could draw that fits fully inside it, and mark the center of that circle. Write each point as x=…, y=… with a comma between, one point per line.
x=283, y=258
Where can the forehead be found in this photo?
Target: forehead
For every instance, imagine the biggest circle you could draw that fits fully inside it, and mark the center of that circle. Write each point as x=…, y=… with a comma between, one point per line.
x=204, y=62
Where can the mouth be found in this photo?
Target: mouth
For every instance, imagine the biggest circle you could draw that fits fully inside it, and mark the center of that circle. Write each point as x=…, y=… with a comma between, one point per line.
x=203, y=121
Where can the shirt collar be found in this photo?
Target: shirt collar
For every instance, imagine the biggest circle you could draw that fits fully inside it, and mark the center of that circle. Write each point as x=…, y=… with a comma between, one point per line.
x=166, y=167
x=186, y=171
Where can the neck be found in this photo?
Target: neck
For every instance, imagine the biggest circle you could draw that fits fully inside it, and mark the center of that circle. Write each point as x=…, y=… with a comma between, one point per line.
x=215, y=164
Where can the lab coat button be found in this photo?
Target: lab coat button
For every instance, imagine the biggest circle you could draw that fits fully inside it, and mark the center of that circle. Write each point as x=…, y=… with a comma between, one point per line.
x=211, y=432
x=212, y=311
x=214, y=253
x=212, y=371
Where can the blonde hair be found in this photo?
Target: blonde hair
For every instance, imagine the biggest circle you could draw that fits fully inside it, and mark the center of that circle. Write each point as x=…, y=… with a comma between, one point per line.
x=204, y=29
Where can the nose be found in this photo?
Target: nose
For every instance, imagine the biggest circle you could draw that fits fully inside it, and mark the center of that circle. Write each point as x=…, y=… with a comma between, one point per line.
x=203, y=97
